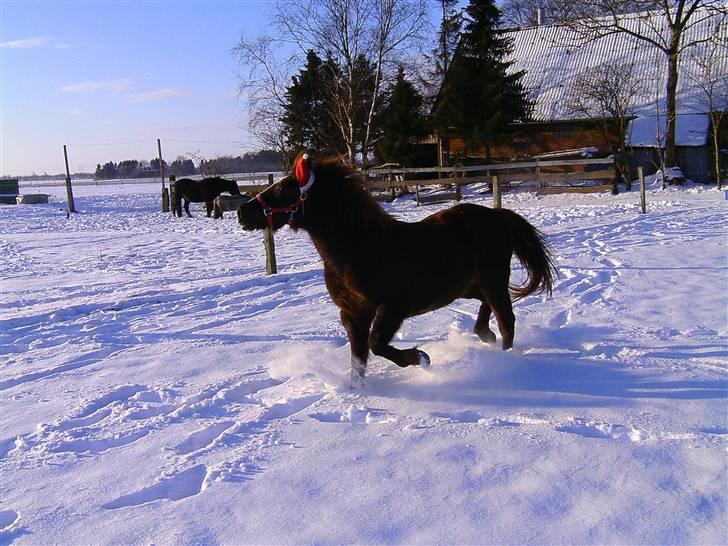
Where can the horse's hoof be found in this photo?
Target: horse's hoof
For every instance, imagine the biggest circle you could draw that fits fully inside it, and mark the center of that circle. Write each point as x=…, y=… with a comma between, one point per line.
x=357, y=382
x=358, y=371
x=486, y=336
x=424, y=359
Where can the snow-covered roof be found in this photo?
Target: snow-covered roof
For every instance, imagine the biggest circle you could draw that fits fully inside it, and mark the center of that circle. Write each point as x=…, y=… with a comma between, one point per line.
x=554, y=57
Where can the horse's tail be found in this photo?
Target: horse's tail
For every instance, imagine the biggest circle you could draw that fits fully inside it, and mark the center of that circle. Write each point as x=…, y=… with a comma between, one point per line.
x=534, y=253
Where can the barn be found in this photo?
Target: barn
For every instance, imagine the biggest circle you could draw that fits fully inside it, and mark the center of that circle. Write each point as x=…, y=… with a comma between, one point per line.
x=557, y=60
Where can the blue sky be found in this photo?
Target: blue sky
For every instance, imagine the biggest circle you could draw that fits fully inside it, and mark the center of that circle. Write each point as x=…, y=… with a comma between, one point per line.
x=108, y=78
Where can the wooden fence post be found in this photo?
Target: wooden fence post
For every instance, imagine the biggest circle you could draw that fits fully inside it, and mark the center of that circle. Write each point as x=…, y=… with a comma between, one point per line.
x=270, y=245
x=69, y=189
x=165, y=198
x=496, y=193
x=643, y=196
x=270, y=251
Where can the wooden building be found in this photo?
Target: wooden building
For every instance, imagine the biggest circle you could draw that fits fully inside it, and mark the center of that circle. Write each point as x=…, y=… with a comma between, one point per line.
x=554, y=59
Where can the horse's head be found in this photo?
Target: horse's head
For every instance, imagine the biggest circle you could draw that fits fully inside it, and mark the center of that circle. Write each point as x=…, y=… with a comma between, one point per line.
x=231, y=186
x=282, y=202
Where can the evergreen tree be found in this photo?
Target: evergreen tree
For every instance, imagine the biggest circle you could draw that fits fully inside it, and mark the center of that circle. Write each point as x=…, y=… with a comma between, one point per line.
x=307, y=113
x=479, y=98
x=402, y=122
x=106, y=172
x=182, y=167
x=440, y=58
x=127, y=168
x=154, y=165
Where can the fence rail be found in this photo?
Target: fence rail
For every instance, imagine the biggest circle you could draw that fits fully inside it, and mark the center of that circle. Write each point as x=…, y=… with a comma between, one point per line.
x=494, y=167
x=550, y=177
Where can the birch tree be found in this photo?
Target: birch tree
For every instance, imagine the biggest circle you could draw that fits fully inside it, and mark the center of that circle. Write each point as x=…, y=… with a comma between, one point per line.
x=708, y=74
x=347, y=31
x=264, y=88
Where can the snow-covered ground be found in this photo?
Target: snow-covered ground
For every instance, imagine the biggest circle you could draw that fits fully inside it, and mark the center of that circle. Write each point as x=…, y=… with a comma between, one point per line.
x=158, y=388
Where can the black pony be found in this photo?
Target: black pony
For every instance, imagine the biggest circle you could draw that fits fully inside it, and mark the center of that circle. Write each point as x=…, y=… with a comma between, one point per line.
x=201, y=191
x=379, y=270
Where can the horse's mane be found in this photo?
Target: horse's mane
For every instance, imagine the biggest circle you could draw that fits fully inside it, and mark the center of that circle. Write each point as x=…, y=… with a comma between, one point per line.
x=343, y=194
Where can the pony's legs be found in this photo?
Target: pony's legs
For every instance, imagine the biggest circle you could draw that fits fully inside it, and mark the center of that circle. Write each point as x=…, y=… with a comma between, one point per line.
x=208, y=207
x=187, y=209
x=386, y=324
x=357, y=328
x=500, y=302
x=482, y=326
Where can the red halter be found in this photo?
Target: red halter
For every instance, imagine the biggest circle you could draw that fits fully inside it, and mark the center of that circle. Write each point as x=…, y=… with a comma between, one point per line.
x=305, y=178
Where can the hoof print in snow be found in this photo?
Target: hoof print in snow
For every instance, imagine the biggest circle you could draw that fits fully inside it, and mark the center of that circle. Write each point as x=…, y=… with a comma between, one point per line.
x=176, y=487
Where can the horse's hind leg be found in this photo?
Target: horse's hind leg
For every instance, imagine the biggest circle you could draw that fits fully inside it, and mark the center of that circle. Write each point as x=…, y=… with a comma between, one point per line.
x=482, y=323
x=386, y=324
x=357, y=328
x=500, y=302
x=187, y=209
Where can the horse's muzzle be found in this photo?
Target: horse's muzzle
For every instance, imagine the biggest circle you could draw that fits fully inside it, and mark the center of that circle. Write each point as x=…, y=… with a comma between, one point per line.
x=245, y=214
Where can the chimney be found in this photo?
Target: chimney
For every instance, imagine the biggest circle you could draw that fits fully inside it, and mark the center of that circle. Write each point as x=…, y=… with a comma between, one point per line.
x=538, y=16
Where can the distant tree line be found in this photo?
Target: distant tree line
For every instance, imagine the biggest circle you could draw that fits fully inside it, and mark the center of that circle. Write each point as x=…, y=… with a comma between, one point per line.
x=263, y=160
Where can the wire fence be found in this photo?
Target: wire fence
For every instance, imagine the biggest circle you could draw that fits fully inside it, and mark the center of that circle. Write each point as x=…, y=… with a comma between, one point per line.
x=57, y=183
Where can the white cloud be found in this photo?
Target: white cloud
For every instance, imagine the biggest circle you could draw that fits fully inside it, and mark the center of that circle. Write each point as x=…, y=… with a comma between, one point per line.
x=158, y=94
x=37, y=41
x=61, y=45
x=113, y=86
x=76, y=113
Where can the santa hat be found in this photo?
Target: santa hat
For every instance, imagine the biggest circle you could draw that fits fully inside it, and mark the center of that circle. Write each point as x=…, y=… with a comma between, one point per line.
x=304, y=175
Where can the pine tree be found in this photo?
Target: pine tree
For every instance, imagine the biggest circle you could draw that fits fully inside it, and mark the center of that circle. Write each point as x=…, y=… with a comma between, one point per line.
x=479, y=98
x=441, y=56
x=307, y=117
x=402, y=122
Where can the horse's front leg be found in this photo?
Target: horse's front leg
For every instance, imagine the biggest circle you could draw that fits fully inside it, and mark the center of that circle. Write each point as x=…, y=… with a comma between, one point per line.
x=187, y=209
x=357, y=324
x=208, y=207
x=386, y=324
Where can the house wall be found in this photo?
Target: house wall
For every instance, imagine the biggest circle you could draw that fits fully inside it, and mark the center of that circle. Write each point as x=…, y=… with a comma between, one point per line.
x=695, y=161
x=526, y=140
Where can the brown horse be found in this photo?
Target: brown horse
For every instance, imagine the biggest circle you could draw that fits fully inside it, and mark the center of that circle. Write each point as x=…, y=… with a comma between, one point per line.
x=379, y=270
x=201, y=191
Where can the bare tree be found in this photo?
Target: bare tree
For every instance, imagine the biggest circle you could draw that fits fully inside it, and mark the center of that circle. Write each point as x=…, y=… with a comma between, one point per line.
x=666, y=25
x=707, y=73
x=264, y=88
x=347, y=31
x=529, y=13
x=609, y=93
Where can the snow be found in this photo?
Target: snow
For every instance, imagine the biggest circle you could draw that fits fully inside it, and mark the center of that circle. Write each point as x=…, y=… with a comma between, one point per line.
x=158, y=387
